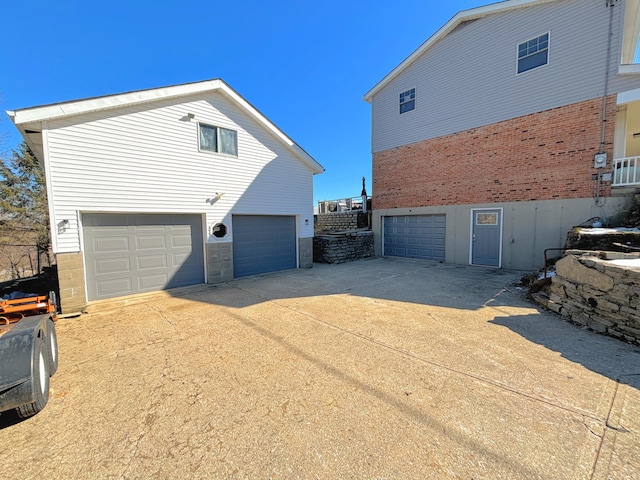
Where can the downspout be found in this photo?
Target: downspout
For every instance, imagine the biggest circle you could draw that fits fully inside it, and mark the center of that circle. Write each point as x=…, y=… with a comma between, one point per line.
x=610, y=4
x=603, y=135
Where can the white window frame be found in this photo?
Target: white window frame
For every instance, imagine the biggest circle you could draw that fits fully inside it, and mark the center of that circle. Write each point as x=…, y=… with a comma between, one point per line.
x=548, y=49
x=217, y=151
x=401, y=103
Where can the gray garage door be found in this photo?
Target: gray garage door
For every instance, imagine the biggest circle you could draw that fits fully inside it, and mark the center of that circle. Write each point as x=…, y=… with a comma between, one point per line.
x=263, y=243
x=415, y=236
x=127, y=254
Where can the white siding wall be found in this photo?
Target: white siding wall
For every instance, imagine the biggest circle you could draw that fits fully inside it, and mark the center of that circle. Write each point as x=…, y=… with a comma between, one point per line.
x=468, y=78
x=146, y=159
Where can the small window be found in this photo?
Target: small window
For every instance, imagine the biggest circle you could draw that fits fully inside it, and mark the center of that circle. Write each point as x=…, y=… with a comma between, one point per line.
x=533, y=53
x=486, y=218
x=218, y=140
x=219, y=230
x=408, y=100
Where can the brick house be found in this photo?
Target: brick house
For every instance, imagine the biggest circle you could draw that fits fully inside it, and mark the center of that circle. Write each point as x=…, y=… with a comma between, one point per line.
x=513, y=123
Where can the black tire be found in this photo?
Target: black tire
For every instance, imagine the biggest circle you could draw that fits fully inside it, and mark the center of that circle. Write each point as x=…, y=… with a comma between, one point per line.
x=38, y=384
x=52, y=347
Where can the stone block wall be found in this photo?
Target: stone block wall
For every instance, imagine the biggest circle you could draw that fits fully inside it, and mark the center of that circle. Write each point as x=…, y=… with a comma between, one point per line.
x=337, y=222
x=219, y=262
x=600, y=290
x=305, y=252
x=339, y=248
x=73, y=296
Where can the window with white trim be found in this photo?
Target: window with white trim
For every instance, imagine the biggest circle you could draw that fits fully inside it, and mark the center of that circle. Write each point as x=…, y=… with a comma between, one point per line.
x=533, y=53
x=218, y=140
x=408, y=100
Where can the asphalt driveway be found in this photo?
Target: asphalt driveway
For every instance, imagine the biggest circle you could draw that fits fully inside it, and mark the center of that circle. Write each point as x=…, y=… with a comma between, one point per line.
x=377, y=369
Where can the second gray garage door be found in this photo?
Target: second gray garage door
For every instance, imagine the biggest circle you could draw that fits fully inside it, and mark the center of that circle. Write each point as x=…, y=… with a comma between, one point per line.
x=415, y=236
x=263, y=243
x=134, y=253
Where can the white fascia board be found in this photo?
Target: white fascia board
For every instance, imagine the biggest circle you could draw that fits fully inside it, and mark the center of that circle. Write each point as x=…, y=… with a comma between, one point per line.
x=633, y=69
x=628, y=96
x=67, y=109
x=463, y=16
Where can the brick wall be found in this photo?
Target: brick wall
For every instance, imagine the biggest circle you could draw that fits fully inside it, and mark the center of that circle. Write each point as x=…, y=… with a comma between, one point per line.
x=542, y=156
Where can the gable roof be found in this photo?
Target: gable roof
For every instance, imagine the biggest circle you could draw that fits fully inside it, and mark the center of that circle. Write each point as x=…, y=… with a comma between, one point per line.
x=629, y=41
x=29, y=120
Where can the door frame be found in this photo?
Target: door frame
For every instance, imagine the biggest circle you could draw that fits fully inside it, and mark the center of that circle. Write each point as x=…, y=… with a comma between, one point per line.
x=471, y=233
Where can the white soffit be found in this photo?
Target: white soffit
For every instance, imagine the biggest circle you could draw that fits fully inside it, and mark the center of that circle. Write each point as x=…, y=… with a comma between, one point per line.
x=628, y=96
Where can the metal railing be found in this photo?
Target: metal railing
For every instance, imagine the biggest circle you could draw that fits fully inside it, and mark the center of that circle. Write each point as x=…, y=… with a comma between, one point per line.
x=343, y=205
x=626, y=171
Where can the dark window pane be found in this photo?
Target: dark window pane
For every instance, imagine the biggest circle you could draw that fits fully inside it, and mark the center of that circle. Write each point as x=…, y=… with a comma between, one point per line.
x=208, y=140
x=533, y=61
x=228, y=142
x=407, y=106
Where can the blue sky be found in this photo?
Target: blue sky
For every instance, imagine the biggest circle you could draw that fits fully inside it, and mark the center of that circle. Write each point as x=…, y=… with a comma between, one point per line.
x=304, y=64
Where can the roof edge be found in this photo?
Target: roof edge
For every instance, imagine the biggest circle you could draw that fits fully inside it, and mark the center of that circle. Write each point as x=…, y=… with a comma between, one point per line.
x=105, y=102
x=39, y=114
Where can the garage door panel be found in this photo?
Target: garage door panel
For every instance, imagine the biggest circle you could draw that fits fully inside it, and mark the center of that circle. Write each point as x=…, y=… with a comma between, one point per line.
x=145, y=262
x=151, y=282
x=114, y=288
x=415, y=236
x=150, y=241
x=117, y=244
x=183, y=240
x=131, y=253
x=263, y=244
x=113, y=265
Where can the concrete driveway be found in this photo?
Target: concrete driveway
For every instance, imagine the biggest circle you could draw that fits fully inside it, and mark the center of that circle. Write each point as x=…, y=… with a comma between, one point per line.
x=378, y=369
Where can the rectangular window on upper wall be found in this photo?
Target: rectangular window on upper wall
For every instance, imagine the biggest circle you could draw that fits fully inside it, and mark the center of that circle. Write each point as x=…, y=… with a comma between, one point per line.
x=533, y=53
x=218, y=140
x=408, y=100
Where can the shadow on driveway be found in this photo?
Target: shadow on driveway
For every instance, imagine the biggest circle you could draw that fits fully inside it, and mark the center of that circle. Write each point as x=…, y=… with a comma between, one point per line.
x=607, y=356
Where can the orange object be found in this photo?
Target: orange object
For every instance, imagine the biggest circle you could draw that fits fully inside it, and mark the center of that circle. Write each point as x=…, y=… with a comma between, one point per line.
x=14, y=310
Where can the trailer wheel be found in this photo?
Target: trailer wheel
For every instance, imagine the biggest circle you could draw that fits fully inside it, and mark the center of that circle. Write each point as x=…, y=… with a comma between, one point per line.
x=52, y=347
x=38, y=384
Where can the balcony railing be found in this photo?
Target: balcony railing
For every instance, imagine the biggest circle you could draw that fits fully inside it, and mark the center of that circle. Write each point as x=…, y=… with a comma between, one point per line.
x=626, y=171
x=343, y=205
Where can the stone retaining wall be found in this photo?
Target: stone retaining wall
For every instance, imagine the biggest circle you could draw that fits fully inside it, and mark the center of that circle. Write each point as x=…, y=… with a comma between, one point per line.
x=336, y=222
x=341, y=247
x=596, y=290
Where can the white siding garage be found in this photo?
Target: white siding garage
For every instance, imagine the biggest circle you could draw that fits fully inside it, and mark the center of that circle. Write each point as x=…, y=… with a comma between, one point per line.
x=415, y=236
x=134, y=253
x=195, y=155
x=263, y=243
